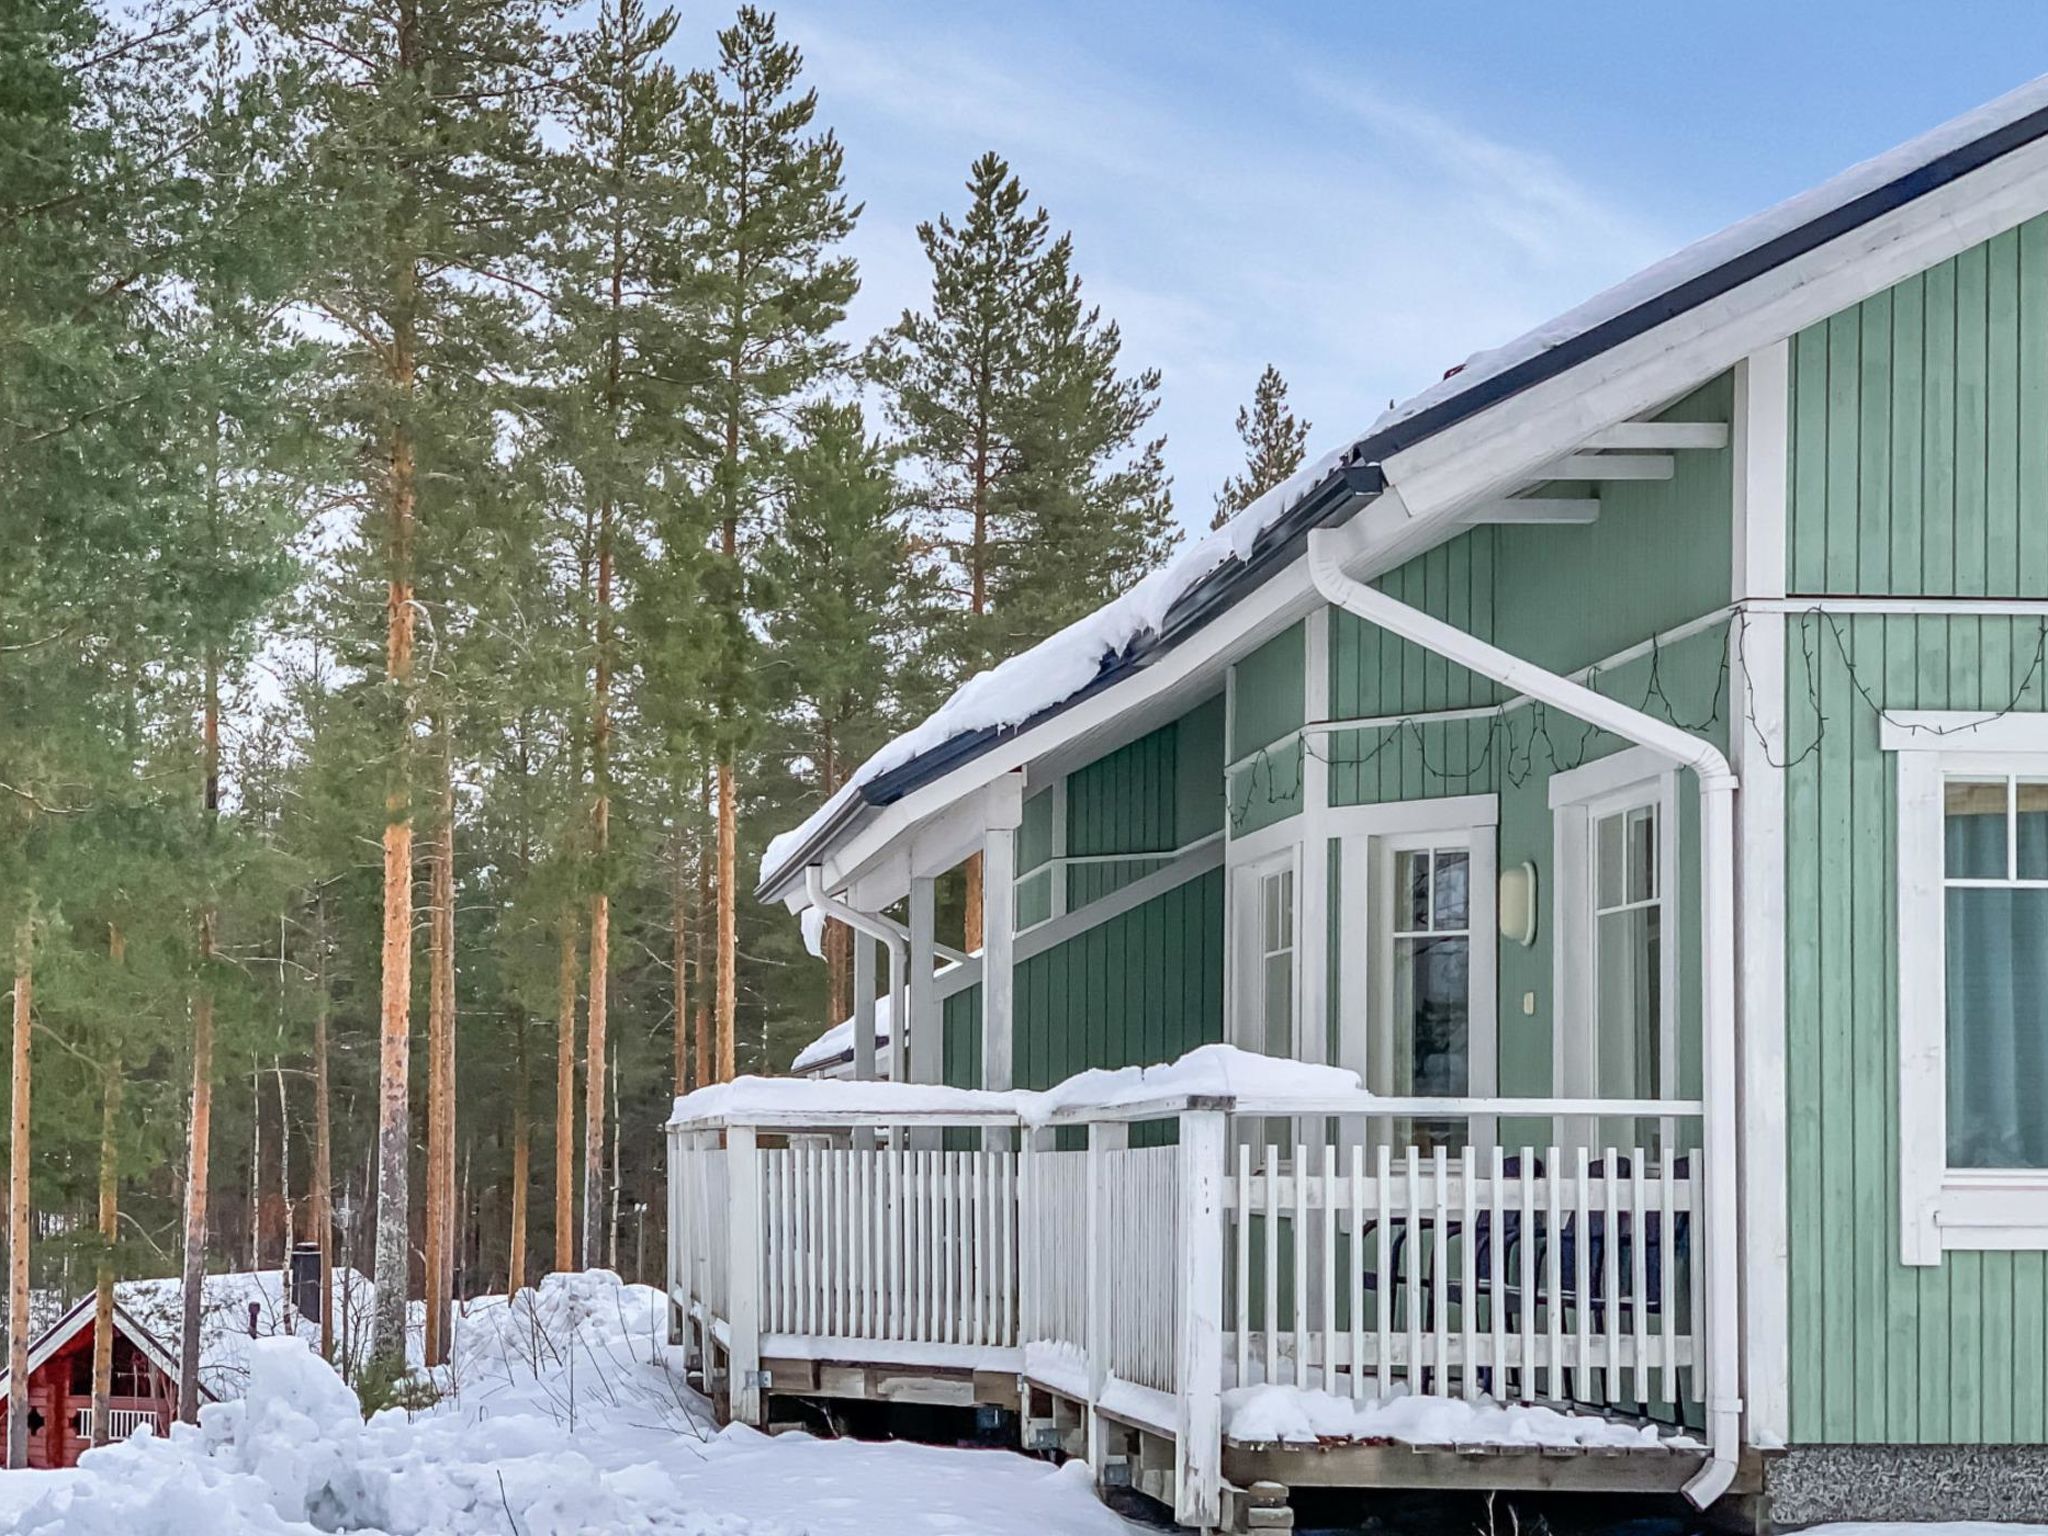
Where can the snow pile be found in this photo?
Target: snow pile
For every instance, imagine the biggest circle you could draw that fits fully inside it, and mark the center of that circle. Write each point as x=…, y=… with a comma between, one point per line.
x=226, y=1305
x=1271, y=1415
x=1208, y=1071
x=566, y=1414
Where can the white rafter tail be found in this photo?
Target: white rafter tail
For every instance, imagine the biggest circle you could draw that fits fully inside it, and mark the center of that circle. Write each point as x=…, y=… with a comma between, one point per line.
x=1640, y=436
x=1608, y=466
x=1537, y=509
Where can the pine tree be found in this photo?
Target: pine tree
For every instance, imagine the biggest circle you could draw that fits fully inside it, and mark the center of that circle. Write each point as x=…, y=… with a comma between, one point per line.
x=423, y=143
x=840, y=594
x=1021, y=433
x=1095, y=512
x=631, y=347
x=775, y=289
x=1274, y=442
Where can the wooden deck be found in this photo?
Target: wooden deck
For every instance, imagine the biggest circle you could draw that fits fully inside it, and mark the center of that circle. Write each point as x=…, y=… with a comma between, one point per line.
x=1109, y=1294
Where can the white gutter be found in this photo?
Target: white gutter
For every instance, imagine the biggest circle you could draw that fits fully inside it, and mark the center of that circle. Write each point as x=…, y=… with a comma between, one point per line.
x=899, y=969
x=1326, y=551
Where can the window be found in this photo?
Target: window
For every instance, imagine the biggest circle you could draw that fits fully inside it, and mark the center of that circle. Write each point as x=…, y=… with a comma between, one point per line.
x=1973, y=981
x=1627, y=931
x=1276, y=963
x=1615, y=1029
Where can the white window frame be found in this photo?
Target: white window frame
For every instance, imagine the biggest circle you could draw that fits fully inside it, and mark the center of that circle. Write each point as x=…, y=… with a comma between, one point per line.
x=1943, y=1209
x=1247, y=950
x=1580, y=798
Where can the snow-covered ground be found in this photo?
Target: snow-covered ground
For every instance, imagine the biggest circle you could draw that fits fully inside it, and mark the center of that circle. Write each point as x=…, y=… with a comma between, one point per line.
x=564, y=1413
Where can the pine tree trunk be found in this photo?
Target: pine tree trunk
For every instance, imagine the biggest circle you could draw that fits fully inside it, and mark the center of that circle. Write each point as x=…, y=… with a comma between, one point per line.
x=110, y=1232
x=522, y=1157
x=199, y=1131
x=17, y=1210
x=394, y=1128
x=440, y=1215
x=109, y=1223
x=600, y=899
x=322, y=1191
x=612, y=1244
x=565, y=1102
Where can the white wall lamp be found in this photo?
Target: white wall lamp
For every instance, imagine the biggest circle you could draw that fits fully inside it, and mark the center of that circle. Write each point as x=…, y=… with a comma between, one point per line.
x=1518, y=904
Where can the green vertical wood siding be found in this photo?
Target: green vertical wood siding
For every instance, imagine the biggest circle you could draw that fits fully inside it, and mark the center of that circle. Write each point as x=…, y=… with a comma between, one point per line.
x=1268, y=706
x=1565, y=597
x=1920, y=433
x=1158, y=793
x=1881, y=1353
x=1146, y=986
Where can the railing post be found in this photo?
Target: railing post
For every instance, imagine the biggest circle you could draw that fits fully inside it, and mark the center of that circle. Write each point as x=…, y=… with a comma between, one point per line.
x=743, y=1274
x=672, y=1274
x=1104, y=1137
x=1198, y=1445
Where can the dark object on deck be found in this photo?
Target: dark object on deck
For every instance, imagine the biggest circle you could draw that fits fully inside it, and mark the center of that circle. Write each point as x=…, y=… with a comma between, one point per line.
x=304, y=1281
x=255, y=1315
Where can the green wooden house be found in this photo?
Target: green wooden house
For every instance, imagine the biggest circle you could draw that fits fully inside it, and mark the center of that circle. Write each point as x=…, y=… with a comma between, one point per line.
x=1637, y=742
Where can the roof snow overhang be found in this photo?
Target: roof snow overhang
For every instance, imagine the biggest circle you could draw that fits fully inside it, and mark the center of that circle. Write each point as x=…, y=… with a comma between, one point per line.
x=74, y=1322
x=1459, y=443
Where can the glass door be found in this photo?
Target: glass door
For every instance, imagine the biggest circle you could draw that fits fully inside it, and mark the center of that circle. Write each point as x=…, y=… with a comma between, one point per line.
x=1429, y=912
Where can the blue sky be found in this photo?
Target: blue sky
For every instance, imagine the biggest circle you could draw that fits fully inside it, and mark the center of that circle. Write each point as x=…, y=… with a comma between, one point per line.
x=1365, y=194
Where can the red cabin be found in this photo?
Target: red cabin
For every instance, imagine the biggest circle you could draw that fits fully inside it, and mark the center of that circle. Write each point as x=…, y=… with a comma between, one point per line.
x=145, y=1388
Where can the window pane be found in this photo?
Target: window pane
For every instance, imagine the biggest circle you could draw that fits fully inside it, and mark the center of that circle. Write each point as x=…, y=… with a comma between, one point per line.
x=1608, y=855
x=1628, y=999
x=1431, y=1001
x=1411, y=891
x=1642, y=854
x=1269, y=893
x=2031, y=832
x=1997, y=1028
x=1286, y=909
x=1974, y=829
x=1452, y=868
x=1280, y=1004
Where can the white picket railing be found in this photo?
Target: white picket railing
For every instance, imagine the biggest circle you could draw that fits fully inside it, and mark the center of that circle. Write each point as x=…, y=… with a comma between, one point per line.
x=1171, y=1272
x=1555, y=1275
x=121, y=1422
x=889, y=1243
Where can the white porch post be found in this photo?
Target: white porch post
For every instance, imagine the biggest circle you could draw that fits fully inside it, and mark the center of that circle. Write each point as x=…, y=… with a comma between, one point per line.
x=1198, y=1445
x=925, y=1058
x=864, y=955
x=743, y=1274
x=999, y=929
x=1761, y=446
x=673, y=1273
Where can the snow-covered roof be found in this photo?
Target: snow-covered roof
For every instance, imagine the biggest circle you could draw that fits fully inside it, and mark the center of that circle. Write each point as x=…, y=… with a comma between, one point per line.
x=225, y=1332
x=77, y=1318
x=1049, y=674
x=1206, y=1072
x=836, y=1043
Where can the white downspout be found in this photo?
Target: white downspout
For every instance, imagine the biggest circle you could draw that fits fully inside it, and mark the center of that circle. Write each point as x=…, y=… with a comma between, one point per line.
x=892, y=938
x=1326, y=551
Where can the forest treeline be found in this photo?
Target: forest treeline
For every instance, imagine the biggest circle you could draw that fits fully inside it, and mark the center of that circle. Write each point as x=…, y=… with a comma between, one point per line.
x=448, y=528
